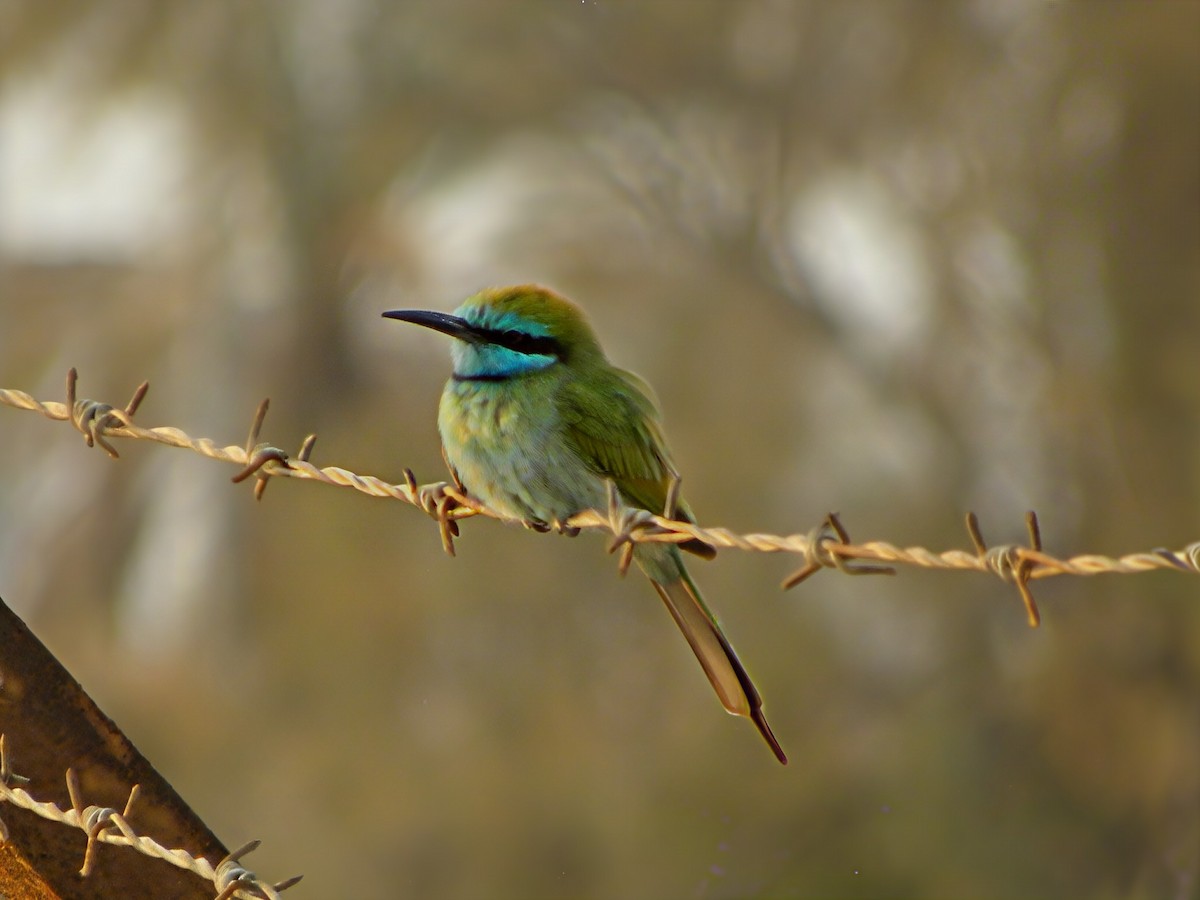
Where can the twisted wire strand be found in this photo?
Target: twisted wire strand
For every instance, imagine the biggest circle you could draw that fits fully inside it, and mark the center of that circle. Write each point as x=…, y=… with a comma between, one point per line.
x=826, y=546
x=108, y=826
x=1045, y=566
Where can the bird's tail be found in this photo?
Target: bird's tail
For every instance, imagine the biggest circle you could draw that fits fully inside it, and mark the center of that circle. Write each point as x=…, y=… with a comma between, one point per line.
x=729, y=678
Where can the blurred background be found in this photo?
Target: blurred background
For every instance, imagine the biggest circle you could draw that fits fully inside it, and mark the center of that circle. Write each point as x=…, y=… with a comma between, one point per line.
x=895, y=259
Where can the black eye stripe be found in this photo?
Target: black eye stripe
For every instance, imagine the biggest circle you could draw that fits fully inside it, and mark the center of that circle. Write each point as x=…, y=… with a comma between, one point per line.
x=529, y=344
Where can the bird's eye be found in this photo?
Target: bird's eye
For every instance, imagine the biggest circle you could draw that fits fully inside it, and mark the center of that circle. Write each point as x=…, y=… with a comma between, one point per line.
x=530, y=344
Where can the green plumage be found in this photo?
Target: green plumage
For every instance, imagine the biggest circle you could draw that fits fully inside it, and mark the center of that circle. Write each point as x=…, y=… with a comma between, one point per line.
x=535, y=422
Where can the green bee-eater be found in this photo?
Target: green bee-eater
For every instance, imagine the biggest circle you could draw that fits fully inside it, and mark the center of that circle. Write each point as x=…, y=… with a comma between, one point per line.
x=535, y=422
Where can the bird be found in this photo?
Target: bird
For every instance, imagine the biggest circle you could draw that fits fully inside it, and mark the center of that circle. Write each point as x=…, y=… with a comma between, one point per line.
x=535, y=423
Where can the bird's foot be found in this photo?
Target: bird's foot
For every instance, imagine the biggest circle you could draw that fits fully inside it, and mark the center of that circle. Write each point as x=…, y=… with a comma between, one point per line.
x=541, y=526
x=439, y=503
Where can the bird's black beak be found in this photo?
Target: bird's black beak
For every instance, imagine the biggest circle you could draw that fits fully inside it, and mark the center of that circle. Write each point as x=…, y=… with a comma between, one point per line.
x=438, y=321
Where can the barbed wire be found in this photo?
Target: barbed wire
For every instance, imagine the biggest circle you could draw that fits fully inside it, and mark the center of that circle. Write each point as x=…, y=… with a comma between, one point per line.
x=827, y=546
x=229, y=878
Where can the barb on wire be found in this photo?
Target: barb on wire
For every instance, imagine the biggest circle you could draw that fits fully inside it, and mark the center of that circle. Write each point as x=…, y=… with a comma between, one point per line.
x=95, y=420
x=107, y=826
x=826, y=546
x=94, y=820
x=259, y=454
x=233, y=879
x=822, y=554
x=1010, y=561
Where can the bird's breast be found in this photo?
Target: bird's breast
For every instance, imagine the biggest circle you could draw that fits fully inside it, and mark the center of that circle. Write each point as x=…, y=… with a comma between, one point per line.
x=481, y=415
x=509, y=450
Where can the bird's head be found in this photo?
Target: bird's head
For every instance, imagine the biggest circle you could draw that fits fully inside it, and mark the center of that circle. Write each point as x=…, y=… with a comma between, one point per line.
x=509, y=331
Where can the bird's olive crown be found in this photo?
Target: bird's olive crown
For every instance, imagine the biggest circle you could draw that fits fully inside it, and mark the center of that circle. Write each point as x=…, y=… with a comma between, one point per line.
x=532, y=320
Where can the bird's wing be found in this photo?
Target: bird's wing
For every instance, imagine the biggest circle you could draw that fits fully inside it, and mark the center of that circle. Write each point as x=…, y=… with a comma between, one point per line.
x=611, y=422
